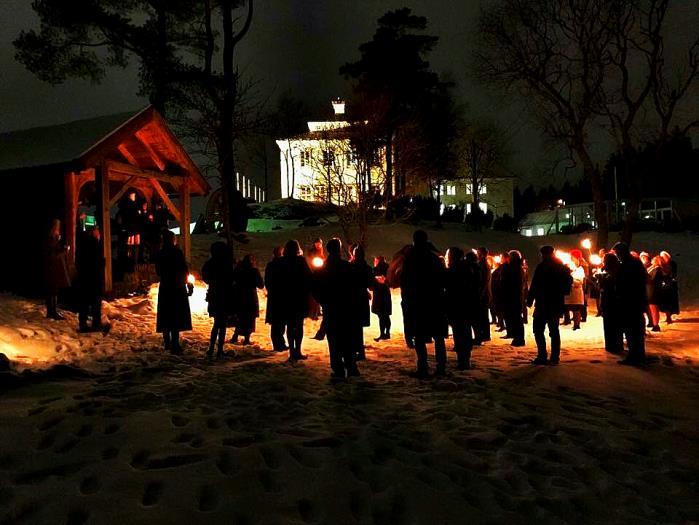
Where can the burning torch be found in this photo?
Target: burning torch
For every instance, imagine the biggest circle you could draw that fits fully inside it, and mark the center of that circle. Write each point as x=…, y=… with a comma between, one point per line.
x=190, y=284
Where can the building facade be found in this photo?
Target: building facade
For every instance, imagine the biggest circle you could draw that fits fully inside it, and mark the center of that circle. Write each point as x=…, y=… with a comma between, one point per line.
x=496, y=195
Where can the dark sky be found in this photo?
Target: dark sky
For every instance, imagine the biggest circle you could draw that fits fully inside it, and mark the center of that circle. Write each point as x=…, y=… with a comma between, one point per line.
x=295, y=45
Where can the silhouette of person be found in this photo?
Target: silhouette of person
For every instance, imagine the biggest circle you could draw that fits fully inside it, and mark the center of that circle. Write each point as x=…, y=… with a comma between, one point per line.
x=173, y=314
x=56, y=277
x=277, y=327
x=512, y=288
x=365, y=279
x=422, y=288
x=89, y=261
x=610, y=305
x=483, y=331
x=462, y=288
x=381, y=304
x=247, y=280
x=631, y=285
x=550, y=283
x=339, y=290
x=288, y=295
x=217, y=273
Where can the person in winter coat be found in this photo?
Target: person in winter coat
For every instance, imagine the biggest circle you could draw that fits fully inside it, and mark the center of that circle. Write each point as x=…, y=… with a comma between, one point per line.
x=575, y=300
x=610, y=305
x=365, y=277
x=89, y=261
x=277, y=328
x=422, y=288
x=551, y=282
x=56, y=276
x=339, y=289
x=654, y=291
x=631, y=284
x=497, y=295
x=462, y=280
x=173, y=315
x=217, y=273
x=381, y=304
x=483, y=332
x=315, y=257
x=288, y=295
x=671, y=297
x=395, y=272
x=512, y=287
x=248, y=280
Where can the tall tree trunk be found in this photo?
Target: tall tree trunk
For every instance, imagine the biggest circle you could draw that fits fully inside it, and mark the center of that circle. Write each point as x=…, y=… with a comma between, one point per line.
x=227, y=109
x=633, y=190
x=388, y=183
x=593, y=175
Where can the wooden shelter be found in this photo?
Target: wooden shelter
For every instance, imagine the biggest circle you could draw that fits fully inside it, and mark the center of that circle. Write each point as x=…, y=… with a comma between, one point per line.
x=48, y=167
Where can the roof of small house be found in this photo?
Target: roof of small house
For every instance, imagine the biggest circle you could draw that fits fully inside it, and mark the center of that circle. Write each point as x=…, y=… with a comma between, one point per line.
x=142, y=138
x=538, y=218
x=58, y=144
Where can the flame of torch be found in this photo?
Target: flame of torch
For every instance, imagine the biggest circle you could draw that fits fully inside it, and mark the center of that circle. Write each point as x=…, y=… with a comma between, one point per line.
x=595, y=260
x=317, y=262
x=191, y=279
x=586, y=243
x=497, y=259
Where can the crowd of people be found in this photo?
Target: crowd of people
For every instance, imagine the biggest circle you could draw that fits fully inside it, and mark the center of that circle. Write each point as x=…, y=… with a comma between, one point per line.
x=465, y=292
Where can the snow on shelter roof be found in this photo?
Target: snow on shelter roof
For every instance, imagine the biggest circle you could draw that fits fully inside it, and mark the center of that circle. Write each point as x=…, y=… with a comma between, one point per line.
x=59, y=144
x=538, y=218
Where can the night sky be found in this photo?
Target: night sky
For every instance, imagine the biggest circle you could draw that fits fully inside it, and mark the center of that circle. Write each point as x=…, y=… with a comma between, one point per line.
x=295, y=45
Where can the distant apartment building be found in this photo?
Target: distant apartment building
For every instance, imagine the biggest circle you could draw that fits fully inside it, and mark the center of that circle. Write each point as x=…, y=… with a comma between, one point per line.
x=496, y=195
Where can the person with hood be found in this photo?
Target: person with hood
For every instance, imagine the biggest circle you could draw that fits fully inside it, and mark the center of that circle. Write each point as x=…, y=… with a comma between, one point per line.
x=288, y=295
x=217, y=273
x=173, y=315
x=381, y=304
x=248, y=280
x=633, y=300
x=551, y=282
x=340, y=291
x=422, y=288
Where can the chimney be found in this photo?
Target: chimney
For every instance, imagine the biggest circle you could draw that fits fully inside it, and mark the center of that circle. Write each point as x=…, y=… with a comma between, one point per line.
x=339, y=108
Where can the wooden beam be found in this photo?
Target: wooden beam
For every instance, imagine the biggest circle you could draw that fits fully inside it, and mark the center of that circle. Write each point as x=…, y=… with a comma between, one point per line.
x=70, y=182
x=141, y=136
x=104, y=221
x=166, y=200
x=133, y=171
x=119, y=194
x=186, y=216
x=127, y=154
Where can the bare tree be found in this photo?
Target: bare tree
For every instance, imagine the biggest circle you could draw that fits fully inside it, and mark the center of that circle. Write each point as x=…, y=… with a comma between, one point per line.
x=555, y=55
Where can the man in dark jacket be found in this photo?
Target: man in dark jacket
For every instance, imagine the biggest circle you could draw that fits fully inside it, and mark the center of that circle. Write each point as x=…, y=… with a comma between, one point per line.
x=338, y=290
x=512, y=287
x=633, y=301
x=422, y=288
x=89, y=261
x=550, y=284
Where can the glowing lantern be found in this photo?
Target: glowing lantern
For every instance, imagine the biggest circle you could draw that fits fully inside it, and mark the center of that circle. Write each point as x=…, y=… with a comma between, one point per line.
x=317, y=262
x=595, y=260
x=587, y=244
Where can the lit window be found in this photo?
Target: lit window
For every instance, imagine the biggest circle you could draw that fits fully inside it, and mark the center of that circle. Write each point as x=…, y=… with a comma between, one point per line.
x=306, y=157
x=482, y=190
x=540, y=231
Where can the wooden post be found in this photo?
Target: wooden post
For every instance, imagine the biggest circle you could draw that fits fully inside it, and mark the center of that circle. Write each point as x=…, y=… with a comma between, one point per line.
x=185, y=219
x=104, y=221
x=70, y=221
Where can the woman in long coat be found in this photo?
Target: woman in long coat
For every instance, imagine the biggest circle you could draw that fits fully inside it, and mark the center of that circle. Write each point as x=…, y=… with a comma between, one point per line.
x=512, y=277
x=365, y=282
x=381, y=304
x=217, y=273
x=610, y=305
x=288, y=295
x=575, y=300
x=247, y=281
x=173, y=315
x=56, y=276
x=671, y=294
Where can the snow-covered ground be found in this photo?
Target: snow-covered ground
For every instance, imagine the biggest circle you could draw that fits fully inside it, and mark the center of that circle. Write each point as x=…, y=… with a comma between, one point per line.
x=146, y=437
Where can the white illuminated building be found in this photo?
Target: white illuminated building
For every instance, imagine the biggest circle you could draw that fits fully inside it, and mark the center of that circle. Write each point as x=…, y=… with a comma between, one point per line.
x=321, y=165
